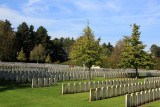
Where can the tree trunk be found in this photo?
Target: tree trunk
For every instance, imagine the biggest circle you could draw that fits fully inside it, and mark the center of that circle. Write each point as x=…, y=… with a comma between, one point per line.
x=37, y=62
x=89, y=73
x=136, y=73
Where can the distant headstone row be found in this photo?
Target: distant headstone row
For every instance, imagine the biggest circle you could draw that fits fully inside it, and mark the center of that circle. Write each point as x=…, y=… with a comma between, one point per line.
x=152, y=79
x=143, y=97
x=113, y=91
x=119, y=75
x=86, y=86
x=26, y=76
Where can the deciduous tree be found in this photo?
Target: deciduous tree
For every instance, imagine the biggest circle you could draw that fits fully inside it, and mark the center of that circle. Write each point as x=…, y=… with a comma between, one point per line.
x=7, y=41
x=86, y=49
x=38, y=53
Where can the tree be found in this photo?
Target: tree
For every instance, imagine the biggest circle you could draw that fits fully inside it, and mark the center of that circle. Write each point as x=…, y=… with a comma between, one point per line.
x=43, y=38
x=59, y=53
x=25, y=38
x=66, y=44
x=116, y=54
x=110, y=47
x=21, y=55
x=105, y=51
x=7, y=41
x=155, y=50
x=133, y=55
x=86, y=49
x=38, y=53
x=48, y=59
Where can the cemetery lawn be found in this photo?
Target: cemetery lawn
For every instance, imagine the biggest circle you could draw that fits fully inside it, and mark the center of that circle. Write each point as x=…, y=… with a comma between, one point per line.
x=18, y=95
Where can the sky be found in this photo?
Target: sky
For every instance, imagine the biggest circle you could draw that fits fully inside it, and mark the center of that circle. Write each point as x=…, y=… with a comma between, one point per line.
x=109, y=19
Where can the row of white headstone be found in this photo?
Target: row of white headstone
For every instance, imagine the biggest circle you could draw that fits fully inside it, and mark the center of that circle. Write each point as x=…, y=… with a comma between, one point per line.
x=86, y=86
x=26, y=76
x=43, y=82
x=113, y=91
x=23, y=77
x=140, y=98
x=152, y=79
x=118, y=75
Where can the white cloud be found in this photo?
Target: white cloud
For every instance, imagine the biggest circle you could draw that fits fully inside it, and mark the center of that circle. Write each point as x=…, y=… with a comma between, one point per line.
x=34, y=7
x=67, y=25
x=96, y=5
x=31, y=2
x=112, y=5
x=16, y=18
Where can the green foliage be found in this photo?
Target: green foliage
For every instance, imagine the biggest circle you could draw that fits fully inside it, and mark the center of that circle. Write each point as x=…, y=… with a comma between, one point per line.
x=7, y=41
x=21, y=56
x=116, y=54
x=43, y=38
x=107, y=49
x=38, y=53
x=86, y=49
x=157, y=63
x=133, y=55
x=48, y=59
x=155, y=50
x=25, y=38
x=106, y=62
x=61, y=48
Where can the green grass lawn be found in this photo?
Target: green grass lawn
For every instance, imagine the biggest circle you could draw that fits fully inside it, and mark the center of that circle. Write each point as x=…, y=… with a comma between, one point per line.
x=21, y=95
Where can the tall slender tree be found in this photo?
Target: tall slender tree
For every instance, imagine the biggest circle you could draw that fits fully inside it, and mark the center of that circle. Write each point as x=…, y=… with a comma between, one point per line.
x=116, y=54
x=7, y=41
x=43, y=38
x=25, y=38
x=133, y=55
x=86, y=49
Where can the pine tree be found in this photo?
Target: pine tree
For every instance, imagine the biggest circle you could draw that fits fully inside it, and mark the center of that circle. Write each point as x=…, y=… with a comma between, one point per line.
x=86, y=49
x=43, y=38
x=21, y=56
x=133, y=55
x=48, y=59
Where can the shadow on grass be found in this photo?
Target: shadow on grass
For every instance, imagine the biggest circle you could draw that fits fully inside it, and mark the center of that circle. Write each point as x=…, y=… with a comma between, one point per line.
x=144, y=76
x=11, y=85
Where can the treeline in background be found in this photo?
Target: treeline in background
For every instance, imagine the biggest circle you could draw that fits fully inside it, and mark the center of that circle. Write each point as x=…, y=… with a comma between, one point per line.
x=27, y=44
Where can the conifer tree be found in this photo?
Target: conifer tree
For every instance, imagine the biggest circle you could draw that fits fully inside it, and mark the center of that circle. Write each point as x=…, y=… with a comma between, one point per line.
x=21, y=56
x=48, y=59
x=133, y=55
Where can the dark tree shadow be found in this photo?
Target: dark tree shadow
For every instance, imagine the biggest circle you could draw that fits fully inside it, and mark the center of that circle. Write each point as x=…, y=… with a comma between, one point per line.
x=11, y=85
x=145, y=76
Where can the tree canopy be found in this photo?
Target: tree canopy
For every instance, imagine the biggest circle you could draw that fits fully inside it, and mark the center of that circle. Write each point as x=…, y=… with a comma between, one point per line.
x=7, y=41
x=48, y=59
x=155, y=50
x=21, y=55
x=86, y=49
x=38, y=53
